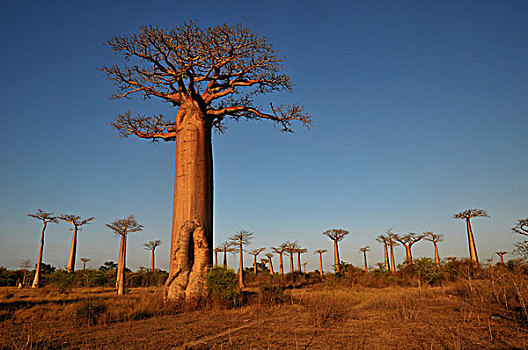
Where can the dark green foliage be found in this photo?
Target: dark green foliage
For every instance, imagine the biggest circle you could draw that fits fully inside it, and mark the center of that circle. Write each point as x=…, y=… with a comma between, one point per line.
x=222, y=285
x=8, y=277
x=61, y=280
x=88, y=311
x=427, y=271
x=108, y=265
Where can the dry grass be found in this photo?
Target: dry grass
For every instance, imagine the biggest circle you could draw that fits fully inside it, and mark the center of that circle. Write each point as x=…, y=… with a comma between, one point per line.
x=463, y=315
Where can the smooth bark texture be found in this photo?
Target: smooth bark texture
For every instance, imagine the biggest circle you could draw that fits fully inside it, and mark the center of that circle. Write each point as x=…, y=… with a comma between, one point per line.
x=152, y=261
x=291, y=263
x=336, y=256
x=281, y=265
x=393, y=266
x=192, y=236
x=471, y=240
x=120, y=281
x=299, y=262
x=36, y=279
x=437, y=256
x=73, y=250
x=271, y=266
x=365, y=258
x=386, y=256
x=225, y=259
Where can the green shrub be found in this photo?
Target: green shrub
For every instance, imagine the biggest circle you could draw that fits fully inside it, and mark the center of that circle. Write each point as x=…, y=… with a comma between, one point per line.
x=89, y=311
x=222, y=285
x=427, y=271
x=61, y=280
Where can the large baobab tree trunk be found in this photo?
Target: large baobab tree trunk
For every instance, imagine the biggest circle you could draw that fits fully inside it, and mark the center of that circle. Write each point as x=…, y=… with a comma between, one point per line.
x=225, y=259
x=271, y=267
x=336, y=256
x=255, y=264
x=437, y=256
x=393, y=266
x=408, y=254
x=281, y=266
x=365, y=260
x=120, y=281
x=471, y=240
x=299, y=262
x=36, y=279
x=192, y=236
x=386, y=255
x=321, y=264
x=152, y=261
x=73, y=250
x=291, y=263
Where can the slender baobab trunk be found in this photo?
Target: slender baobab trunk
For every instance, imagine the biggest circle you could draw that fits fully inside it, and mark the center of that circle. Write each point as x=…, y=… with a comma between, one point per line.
x=291, y=263
x=271, y=266
x=241, y=269
x=393, y=266
x=121, y=267
x=472, y=248
x=73, y=250
x=437, y=256
x=225, y=259
x=152, y=261
x=84, y=265
x=216, y=259
x=299, y=262
x=502, y=259
x=192, y=225
x=336, y=257
x=409, y=254
x=255, y=264
x=120, y=255
x=365, y=259
x=36, y=279
x=386, y=255
x=321, y=264
x=281, y=266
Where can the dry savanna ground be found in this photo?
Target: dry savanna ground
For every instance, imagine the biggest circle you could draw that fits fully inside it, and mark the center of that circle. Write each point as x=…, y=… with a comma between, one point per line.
x=324, y=315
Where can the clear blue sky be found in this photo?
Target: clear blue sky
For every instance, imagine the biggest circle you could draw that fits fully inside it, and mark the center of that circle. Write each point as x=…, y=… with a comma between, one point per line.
x=420, y=111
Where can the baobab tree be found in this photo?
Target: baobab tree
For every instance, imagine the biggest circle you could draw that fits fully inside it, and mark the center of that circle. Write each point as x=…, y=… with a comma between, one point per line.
x=364, y=250
x=226, y=247
x=255, y=253
x=391, y=242
x=152, y=245
x=320, y=252
x=122, y=228
x=501, y=255
x=84, y=261
x=304, y=267
x=336, y=235
x=280, y=250
x=435, y=238
x=25, y=264
x=300, y=251
x=45, y=218
x=521, y=227
x=77, y=223
x=468, y=215
x=210, y=75
x=489, y=262
x=270, y=262
x=239, y=239
x=215, y=252
x=385, y=240
x=407, y=241
x=291, y=248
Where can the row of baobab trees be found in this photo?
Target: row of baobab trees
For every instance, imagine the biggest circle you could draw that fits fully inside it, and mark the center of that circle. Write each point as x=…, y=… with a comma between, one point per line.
x=389, y=239
x=121, y=227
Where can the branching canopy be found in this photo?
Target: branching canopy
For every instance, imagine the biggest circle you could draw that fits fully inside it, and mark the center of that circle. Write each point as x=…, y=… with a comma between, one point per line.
x=336, y=234
x=75, y=220
x=152, y=245
x=471, y=213
x=44, y=217
x=257, y=251
x=290, y=247
x=241, y=237
x=320, y=251
x=521, y=227
x=221, y=69
x=433, y=237
x=408, y=239
x=125, y=226
x=364, y=249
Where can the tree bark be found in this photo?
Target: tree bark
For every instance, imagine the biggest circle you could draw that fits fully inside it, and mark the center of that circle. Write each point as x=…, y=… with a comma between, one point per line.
x=437, y=256
x=241, y=269
x=471, y=240
x=152, y=261
x=36, y=279
x=215, y=259
x=336, y=257
x=255, y=264
x=271, y=266
x=192, y=226
x=386, y=256
x=225, y=259
x=393, y=266
x=291, y=263
x=408, y=253
x=299, y=262
x=119, y=258
x=121, y=267
x=281, y=266
x=321, y=264
x=73, y=250
x=365, y=258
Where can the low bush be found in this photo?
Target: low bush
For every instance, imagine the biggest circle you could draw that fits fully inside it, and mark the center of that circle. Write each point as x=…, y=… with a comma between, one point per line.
x=222, y=285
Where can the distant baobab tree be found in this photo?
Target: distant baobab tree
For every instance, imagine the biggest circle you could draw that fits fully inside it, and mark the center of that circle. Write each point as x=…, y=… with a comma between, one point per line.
x=364, y=250
x=215, y=252
x=25, y=264
x=123, y=227
x=226, y=247
x=45, y=218
x=501, y=255
x=435, y=238
x=255, y=253
x=239, y=239
x=210, y=74
x=391, y=242
x=385, y=240
x=290, y=248
x=304, y=267
x=300, y=251
x=407, y=241
x=468, y=215
x=280, y=250
x=270, y=262
x=521, y=227
x=489, y=262
x=152, y=245
x=336, y=235
x=84, y=261
x=320, y=252
x=77, y=223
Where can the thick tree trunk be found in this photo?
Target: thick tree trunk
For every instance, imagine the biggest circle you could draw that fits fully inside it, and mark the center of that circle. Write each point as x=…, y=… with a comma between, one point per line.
x=291, y=263
x=336, y=257
x=215, y=259
x=393, y=266
x=152, y=261
x=281, y=266
x=365, y=258
x=409, y=254
x=192, y=226
x=120, y=255
x=321, y=264
x=225, y=259
x=472, y=248
x=73, y=250
x=255, y=264
x=121, y=266
x=299, y=261
x=36, y=279
x=241, y=269
x=437, y=256
x=271, y=266
x=386, y=255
